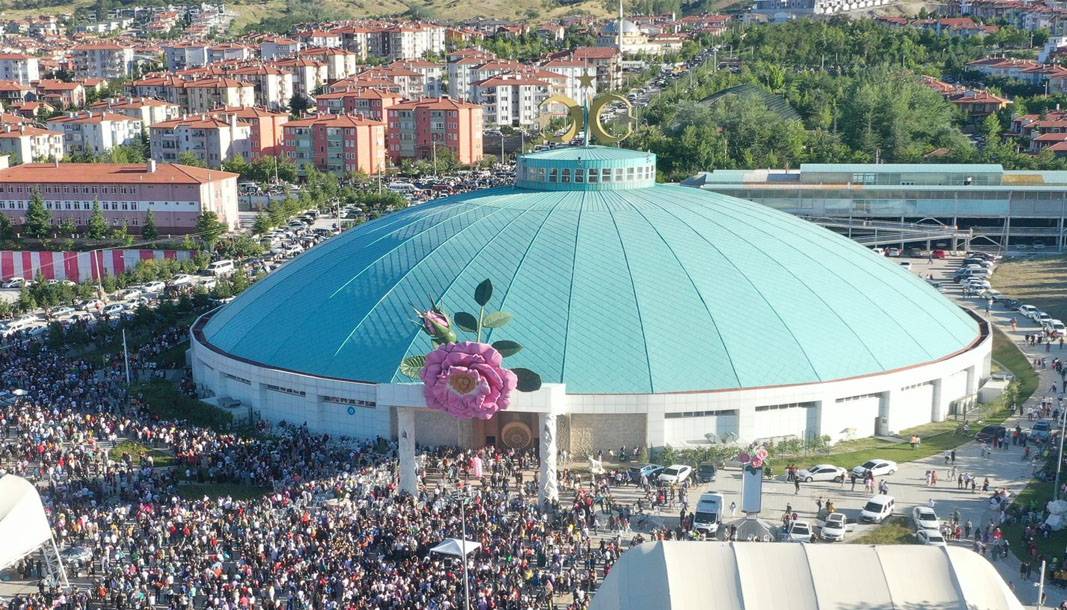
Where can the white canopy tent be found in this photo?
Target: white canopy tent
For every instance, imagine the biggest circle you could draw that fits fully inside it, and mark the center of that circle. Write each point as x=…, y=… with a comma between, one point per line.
x=747, y=575
x=456, y=547
x=24, y=526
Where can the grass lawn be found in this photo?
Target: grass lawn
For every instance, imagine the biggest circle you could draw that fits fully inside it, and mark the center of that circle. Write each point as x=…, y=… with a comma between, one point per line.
x=166, y=402
x=222, y=490
x=1041, y=282
x=174, y=358
x=136, y=450
x=1007, y=354
x=1037, y=492
x=895, y=530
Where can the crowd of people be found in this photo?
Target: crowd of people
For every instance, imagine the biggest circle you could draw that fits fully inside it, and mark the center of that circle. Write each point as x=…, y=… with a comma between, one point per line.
x=327, y=529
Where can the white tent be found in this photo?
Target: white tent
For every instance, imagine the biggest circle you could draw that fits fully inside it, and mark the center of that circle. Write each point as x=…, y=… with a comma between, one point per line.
x=746, y=575
x=23, y=524
x=456, y=546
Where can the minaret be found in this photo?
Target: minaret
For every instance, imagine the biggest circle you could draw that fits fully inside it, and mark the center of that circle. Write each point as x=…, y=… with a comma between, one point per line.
x=620, y=27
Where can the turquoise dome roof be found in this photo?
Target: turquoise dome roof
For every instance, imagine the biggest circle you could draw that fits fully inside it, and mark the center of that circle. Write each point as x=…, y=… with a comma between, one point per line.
x=646, y=290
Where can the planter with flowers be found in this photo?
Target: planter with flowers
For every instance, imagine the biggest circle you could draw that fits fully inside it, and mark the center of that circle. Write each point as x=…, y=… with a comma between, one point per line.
x=468, y=379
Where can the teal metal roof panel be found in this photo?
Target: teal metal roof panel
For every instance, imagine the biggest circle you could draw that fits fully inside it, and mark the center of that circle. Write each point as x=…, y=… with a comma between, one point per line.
x=911, y=168
x=589, y=153
x=663, y=289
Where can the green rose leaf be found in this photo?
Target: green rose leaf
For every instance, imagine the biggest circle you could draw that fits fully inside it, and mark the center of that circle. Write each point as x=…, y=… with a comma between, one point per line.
x=412, y=365
x=466, y=321
x=529, y=381
x=483, y=292
x=496, y=319
x=507, y=348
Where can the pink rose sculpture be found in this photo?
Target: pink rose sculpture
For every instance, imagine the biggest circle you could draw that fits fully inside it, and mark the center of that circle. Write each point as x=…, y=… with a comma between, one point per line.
x=467, y=380
x=761, y=454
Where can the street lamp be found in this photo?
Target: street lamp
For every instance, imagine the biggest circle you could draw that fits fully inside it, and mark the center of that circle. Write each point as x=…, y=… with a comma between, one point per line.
x=463, y=496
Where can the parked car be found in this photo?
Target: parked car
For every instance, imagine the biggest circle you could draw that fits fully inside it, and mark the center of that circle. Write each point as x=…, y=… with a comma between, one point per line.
x=675, y=473
x=1041, y=430
x=930, y=537
x=924, y=518
x=875, y=467
x=822, y=472
x=61, y=311
x=650, y=471
x=941, y=254
x=1055, y=327
x=892, y=252
x=906, y=265
x=799, y=531
x=878, y=508
x=706, y=472
x=1026, y=310
x=115, y=309
x=13, y=283
x=835, y=527
x=988, y=433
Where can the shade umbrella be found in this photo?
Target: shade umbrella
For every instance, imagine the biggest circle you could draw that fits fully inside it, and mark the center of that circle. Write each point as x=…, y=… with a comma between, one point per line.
x=456, y=547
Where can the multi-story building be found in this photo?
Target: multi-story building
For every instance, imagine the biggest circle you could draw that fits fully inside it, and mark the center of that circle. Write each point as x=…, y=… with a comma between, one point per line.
x=273, y=87
x=210, y=139
x=181, y=55
x=408, y=41
x=308, y=74
x=227, y=51
x=572, y=71
x=460, y=68
x=336, y=143
x=319, y=38
x=266, y=129
x=60, y=94
x=339, y=62
x=175, y=194
x=27, y=144
x=417, y=129
x=110, y=61
x=22, y=69
x=371, y=103
x=410, y=82
x=354, y=38
x=432, y=75
x=1010, y=210
x=145, y=109
x=511, y=99
x=12, y=92
x=95, y=131
x=608, y=64
x=278, y=48
x=207, y=94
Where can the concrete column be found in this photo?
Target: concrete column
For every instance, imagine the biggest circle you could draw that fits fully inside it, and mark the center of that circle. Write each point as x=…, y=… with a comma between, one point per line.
x=972, y=381
x=938, y=406
x=549, y=489
x=405, y=438
x=883, y=425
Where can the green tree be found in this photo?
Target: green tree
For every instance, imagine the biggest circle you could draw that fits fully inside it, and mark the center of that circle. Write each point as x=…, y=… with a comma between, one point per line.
x=38, y=221
x=237, y=165
x=97, y=227
x=188, y=158
x=298, y=104
x=7, y=230
x=209, y=228
x=149, y=230
x=262, y=224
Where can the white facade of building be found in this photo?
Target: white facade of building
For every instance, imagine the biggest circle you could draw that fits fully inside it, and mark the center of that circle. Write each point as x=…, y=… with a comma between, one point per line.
x=19, y=68
x=96, y=131
x=105, y=61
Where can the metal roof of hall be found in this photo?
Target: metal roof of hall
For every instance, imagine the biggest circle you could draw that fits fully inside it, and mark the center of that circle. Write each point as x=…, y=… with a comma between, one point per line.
x=652, y=290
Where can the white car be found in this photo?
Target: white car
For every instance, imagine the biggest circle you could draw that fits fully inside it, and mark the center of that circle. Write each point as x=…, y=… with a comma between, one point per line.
x=906, y=265
x=1027, y=310
x=835, y=527
x=131, y=293
x=115, y=309
x=925, y=518
x=59, y=312
x=822, y=472
x=15, y=283
x=676, y=473
x=155, y=287
x=876, y=467
x=930, y=537
x=799, y=531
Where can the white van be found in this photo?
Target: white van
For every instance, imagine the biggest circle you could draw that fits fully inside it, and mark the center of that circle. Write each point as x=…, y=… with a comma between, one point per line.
x=219, y=268
x=708, y=515
x=402, y=187
x=878, y=508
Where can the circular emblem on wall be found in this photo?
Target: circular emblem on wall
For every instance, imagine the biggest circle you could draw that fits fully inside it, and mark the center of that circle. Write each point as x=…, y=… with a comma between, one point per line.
x=516, y=435
x=351, y=410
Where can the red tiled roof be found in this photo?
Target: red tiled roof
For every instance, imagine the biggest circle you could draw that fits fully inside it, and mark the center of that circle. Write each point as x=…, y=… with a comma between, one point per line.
x=111, y=173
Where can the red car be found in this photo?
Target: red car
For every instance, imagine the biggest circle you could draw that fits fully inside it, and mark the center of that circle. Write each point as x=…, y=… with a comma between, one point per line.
x=939, y=254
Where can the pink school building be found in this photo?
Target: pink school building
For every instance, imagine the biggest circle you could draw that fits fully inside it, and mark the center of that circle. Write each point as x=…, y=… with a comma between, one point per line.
x=176, y=194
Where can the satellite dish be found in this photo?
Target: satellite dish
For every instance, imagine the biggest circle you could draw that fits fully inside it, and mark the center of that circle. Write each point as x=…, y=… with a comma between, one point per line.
x=712, y=438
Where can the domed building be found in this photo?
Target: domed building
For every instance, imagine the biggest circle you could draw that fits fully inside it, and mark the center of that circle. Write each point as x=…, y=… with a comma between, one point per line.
x=656, y=315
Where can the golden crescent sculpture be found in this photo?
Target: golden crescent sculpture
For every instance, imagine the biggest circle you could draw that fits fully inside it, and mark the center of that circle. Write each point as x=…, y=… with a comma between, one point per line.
x=574, y=112
x=597, y=108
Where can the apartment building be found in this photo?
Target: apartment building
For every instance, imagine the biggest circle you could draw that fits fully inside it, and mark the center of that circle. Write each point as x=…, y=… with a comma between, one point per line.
x=60, y=94
x=336, y=143
x=27, y=144
x=354, y=38
x=175, y=194
x=210, y=139
x=207, y=94
x=511, y=99
x=278, y=48
x=227, y=51
x=22, y=69
x=410, y=82
x=432, y=75
x=108, y=61
x=371, y=103
x=608, y=64
x=460, y=67
x=145, y=109
x=408, y=41
x=417, y=129
x=572, y=70
x=339, y=62
x=272, y=87
x=181, y=55
x=266, y=129
x=308, y=74
x=95, y=131
x=12, y=92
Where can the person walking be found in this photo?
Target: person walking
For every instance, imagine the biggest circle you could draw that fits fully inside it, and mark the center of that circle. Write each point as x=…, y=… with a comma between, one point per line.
x=853, y=477
x=796, y=486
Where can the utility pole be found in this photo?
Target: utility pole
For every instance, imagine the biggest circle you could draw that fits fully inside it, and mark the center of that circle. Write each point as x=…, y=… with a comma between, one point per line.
x=126, y=356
